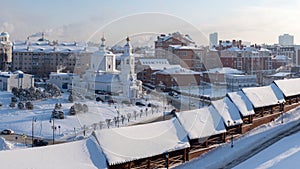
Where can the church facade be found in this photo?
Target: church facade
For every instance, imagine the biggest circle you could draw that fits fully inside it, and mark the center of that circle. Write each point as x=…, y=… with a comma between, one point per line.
x=103, y=77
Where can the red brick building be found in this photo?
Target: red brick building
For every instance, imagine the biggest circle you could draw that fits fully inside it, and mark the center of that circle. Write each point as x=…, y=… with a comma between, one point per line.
x=179, y=49
x=253, y=60
x=176, y=77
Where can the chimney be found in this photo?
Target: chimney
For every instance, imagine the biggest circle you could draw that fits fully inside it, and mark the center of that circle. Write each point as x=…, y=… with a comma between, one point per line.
x=234, y=43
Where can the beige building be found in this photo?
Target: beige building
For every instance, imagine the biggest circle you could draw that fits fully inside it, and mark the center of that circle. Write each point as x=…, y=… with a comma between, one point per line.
x=42, y=57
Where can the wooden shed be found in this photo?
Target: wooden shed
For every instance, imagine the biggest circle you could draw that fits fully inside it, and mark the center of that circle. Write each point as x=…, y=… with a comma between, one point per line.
x=204, y=127
x=154, y=145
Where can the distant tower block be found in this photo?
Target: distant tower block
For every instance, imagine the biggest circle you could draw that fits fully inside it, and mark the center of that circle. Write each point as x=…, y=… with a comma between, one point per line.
x=5, y=52
x=213, y=39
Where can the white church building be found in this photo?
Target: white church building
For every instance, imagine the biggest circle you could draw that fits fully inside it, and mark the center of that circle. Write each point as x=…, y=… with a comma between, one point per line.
x=102, y=75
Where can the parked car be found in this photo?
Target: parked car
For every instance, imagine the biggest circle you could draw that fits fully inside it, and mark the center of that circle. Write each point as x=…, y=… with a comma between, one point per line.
x=39, y=142
x=140, y=104
x=7, y=132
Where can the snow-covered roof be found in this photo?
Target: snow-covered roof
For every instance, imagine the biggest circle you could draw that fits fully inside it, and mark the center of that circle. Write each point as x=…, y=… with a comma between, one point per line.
x=281, y=74
x=167, y=37
x=201, y=123
x=289, y=87
x=228, y=111
x=177, y=70
x=5, y=74
x=107, y=78
x=264, y=50
x=162, y=67
x=131, y=143
x=190, y=47
x=60, y=74
x=234, y=49
x=79, y=154
x=225, y=70
x=48, y=47
x=264, y=95
x=281, y=57
x=242, y=103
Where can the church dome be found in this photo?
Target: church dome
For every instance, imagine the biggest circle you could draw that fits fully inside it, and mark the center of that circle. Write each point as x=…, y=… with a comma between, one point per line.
x=4, y=34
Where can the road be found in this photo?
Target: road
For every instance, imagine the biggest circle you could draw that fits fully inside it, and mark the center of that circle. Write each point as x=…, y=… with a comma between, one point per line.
x=263, y=146
x=19, y=138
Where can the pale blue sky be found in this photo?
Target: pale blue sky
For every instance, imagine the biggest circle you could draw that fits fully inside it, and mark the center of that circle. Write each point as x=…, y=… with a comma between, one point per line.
x=256, y=21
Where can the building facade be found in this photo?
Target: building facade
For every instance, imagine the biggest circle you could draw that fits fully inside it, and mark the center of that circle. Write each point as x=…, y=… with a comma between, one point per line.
x=252, y=60
x=5, y=52
x=289, y=51
x=213, y=39
x=63, y=80
x=103, y=77
x=42, y=57
x=179, y=49
x=286, y=40
x=9, y=80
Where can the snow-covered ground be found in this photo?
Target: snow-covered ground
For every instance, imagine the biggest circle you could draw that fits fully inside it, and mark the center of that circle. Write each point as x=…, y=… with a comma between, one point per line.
x=224, y=154
x=21, y=120
x=283, y=154
x=7, y=145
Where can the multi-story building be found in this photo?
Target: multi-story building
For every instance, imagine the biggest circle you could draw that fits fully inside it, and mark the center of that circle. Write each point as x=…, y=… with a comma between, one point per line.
x=5, y=52
x=179, y=49
x=286, y=40
x=42, y=57
x=176, y=76
x=236, y=81
x=253, y=60
x=145, y=67
x=213, y=39
x=289, y=51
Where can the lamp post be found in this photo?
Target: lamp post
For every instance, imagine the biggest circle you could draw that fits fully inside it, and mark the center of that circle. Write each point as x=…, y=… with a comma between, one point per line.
x=32, y=127
x=53, y=128
x=231, y=139
x=118, y=118
x=58, y=130
x=167, y=160
x=189, y=97
x=75, y=132
x=281, y=109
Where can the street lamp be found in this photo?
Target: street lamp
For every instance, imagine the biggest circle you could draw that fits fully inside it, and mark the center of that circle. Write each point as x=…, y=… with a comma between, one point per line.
x=58, y=130
x=53, y=127
x=118, y=118
x=231, y=133
x=32, y=127
x=281, y=108
x=75, y=132
x=167, y=160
